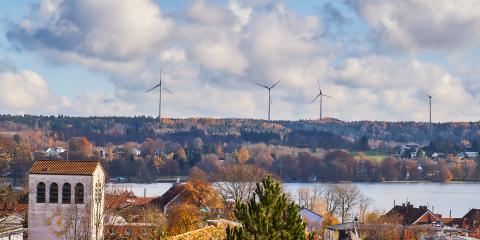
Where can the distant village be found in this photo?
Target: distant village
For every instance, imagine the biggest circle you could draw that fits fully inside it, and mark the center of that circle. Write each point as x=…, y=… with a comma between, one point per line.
x=69, y=200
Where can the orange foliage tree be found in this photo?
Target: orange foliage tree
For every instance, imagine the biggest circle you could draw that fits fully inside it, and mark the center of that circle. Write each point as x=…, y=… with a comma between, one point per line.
x=183, y=218
x=201, y=194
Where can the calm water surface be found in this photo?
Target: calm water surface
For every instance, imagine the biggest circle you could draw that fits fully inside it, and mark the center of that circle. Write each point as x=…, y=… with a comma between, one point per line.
x=442, y=197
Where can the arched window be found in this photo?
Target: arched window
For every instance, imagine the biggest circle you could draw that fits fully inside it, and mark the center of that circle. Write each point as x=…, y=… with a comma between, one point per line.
x=53, y=193
x=66, y=193
x=41, y=192
x=79, y=193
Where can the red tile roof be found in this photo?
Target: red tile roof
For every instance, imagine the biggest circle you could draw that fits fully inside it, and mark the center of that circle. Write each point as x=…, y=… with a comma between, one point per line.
x=62, y=167
x=409, y=214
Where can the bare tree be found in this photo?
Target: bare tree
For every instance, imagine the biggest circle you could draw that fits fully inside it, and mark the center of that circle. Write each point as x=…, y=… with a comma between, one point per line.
x=364, y=203
x=346, y=197
x=238, y=181
x=328, y=195
x=312, y=199
x=77, y=222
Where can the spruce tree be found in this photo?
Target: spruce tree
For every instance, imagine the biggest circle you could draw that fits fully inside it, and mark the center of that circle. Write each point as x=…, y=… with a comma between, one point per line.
x=267, y=215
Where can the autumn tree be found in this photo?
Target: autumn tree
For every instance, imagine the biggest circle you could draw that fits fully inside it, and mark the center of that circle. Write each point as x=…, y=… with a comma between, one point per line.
x=153, y=216
x=79, y=148
x=267, y=215
x=149, y=147
x=390, y=170
x=183, y=218
x=243, y=155
x=201, y=194
x=210, y=164
x=109, y=151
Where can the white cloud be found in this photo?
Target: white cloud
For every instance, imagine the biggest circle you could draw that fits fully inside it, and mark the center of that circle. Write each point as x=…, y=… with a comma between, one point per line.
x=24, y=91
x=422, y=25
x=97, y=104
x=98, y=29
x=395, y=89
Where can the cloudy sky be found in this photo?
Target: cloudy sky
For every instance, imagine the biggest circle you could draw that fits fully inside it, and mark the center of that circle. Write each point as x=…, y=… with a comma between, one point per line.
x=377, y=58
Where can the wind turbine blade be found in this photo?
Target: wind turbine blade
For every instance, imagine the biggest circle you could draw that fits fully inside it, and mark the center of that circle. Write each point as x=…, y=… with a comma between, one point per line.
x=327, y=96
x=319, y=89
x=316, y=97
x=153, y=88
x=276, y=83
x=166, y=89
x=262, y=85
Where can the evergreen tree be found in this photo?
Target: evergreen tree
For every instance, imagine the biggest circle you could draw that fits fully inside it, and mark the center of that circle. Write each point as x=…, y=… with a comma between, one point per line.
x=268, y=215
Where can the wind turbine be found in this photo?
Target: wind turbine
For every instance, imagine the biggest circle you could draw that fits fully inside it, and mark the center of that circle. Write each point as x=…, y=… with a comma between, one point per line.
x=160, y=87
x=321, y=95
x=430, y=112
x=269, y=96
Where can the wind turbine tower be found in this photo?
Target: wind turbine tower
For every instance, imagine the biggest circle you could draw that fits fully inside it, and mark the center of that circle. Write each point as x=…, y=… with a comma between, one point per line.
x=269, y=95
x=160, y=88
x=320, y=95
x=430, y=114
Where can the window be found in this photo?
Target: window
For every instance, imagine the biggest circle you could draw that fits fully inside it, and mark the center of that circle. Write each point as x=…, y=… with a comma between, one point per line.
x=66, y=193
x=53, y=193
x=41, y=192
x=79, y=193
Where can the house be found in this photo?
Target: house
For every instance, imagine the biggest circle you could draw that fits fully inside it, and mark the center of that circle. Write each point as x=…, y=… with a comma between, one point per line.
x=11, y=227
x=65, y=198
x=135, y=152
x=469, y=222
x=54, y=152
x=341, y=231
x=12, y=233
x=100, y=152
x=126, y=205
x=407, y=215
x=411, y=151
x=468, y=155
x=386, y=230
x=314, y=221
x=171, y=196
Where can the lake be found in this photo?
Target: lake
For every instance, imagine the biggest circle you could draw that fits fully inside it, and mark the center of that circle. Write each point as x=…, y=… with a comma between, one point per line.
x=441, y=197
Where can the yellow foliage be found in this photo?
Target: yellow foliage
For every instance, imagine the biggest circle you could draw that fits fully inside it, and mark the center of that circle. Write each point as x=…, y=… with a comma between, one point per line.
x=200, y=193
x=183, y=218
x=243, y=155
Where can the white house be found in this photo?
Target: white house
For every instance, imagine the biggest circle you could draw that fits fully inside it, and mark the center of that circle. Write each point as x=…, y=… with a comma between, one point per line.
x=314, y=221
x=135, y=152
x=66, y=199
x=11, y=227
x=55, y=151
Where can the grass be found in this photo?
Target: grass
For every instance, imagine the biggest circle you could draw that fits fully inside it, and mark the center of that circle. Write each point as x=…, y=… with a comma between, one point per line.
x=374, y=155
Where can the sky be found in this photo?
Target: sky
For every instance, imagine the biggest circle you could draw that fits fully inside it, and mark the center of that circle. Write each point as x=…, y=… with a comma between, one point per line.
x=378, y=59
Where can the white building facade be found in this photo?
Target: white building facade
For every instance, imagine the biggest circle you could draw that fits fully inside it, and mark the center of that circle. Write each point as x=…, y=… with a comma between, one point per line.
x=66, y=200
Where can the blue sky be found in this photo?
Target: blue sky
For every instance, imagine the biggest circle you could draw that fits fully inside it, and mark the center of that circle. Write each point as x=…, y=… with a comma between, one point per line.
x=377, y=59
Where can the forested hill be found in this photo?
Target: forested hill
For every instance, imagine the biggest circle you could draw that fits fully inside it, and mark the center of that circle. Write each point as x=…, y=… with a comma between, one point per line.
x=328, y=133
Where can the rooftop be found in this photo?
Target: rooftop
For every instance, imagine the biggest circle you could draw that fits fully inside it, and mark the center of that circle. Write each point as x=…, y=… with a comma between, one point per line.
x=62, y=167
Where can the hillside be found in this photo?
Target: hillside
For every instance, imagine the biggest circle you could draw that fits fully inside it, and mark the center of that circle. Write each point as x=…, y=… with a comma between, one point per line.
x=328, y=133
